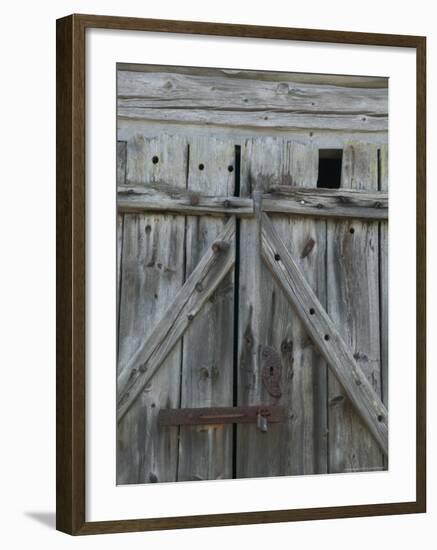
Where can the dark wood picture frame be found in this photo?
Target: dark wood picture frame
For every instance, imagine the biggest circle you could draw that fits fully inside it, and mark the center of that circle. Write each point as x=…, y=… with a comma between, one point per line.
x=71, y=247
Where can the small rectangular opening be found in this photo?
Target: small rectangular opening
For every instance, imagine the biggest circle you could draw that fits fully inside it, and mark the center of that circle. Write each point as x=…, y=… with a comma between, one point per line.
x=330, y=161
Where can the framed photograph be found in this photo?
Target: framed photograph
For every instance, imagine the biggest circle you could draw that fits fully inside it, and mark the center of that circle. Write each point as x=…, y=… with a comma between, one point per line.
x=240, y=274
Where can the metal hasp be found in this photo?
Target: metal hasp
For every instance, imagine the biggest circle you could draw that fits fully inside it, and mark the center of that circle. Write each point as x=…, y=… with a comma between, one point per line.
x=271, y=414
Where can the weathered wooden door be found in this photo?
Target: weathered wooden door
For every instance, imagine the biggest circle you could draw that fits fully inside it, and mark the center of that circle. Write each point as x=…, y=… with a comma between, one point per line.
x=251, y=341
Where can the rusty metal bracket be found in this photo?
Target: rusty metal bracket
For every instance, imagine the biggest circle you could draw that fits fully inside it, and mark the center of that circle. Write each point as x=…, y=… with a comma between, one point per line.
x=221, y=415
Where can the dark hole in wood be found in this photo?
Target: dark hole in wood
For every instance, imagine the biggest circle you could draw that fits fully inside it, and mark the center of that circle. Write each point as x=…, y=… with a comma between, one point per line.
x=326, y=337
x=330, y=161
x=155, y=159
x=277, y=257
x=380, y=418
x=352, y=230
x=201, y=166
x=148, y=229
x=312, y=311
x=230, y=168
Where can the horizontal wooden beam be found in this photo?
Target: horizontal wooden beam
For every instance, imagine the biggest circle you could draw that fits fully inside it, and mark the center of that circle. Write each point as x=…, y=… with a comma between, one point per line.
x=324, y=334
x=134, y=199
x=340, y=203
x=271, y=120
x=225, y=99
x=221, y=415
x=337, y=203
x=342, y=81
x=197, y=289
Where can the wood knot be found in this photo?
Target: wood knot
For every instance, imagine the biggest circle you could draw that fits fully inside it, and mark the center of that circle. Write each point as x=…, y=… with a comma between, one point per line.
x=220, y=246
x=287, y=346
x=204, y=373
x=308, y=248
x=282, y=88
x=194, y=200
x=337, y=399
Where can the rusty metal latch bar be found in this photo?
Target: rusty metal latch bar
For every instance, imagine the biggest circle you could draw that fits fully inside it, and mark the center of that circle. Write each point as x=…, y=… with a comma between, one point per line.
x=261, y=415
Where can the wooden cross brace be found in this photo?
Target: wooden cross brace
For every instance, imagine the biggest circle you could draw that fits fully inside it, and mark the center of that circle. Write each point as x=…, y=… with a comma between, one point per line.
x=201, y=284
x=324, y=333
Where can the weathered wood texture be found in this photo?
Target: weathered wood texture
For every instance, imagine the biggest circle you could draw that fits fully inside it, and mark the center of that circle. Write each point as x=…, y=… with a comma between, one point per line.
x=178, y=306
x=346, y=81
x=224, y=101
x=149, y=355
x=207, y=370
x=321, y=138
x=353, y=305
x=383, y=276
x=327, y=203
x=162, y=198
x=324, y=334
x=151, y=274
x=322, y=203
x=121, y=180
x=297, y=446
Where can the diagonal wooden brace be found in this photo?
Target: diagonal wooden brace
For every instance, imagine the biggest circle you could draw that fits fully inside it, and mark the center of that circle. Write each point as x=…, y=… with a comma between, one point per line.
x=324, y=333
x=199, y=286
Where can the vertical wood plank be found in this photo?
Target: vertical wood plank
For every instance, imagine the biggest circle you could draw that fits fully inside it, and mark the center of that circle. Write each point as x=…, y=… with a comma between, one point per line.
x=353, y=305
x=152, y=272
x=121, y=180
x=383, y=265
x=297, y=446
x=205, y=452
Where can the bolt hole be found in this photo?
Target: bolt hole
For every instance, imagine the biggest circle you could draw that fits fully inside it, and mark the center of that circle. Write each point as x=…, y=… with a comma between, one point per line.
x=326, y=337
x=230, y=168
x=352, y=230
x=201, y=166
x=277, y=257
x=380, y=418
x=312, y=311
x=155, y=159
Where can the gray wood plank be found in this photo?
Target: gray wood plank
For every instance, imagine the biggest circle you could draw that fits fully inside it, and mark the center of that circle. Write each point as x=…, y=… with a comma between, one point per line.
x=121, y=180
x=322, y=138
x=151, y=353
x=195, y=203
x=152, y=274
x=165, y=90
x=272, y=120
x=353, y=306
x=205, y=452
x=383, y=287
x=321, y=203
x=249, y=100
x=324, y=203
x=266, y=319
x=220, y=100
x=324, y=333
x=348, y=81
